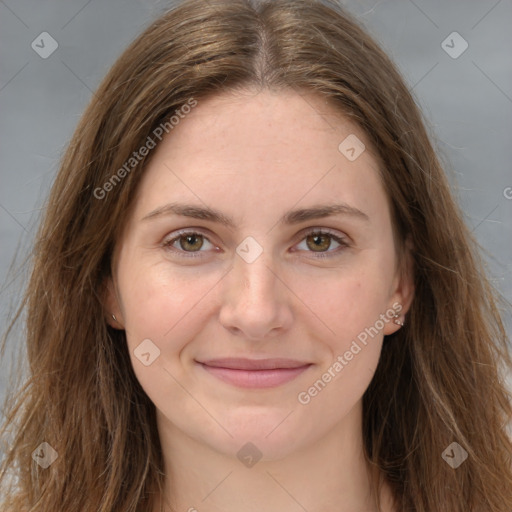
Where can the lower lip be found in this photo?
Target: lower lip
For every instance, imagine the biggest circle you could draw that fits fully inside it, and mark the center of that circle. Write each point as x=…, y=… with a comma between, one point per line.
x=255, y=378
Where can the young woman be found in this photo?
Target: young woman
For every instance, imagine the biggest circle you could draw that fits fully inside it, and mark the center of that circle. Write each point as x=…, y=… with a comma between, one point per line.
x=253, y=290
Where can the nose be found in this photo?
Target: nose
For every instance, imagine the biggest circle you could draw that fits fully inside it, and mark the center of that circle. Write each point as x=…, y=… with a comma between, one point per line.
x=255, y=299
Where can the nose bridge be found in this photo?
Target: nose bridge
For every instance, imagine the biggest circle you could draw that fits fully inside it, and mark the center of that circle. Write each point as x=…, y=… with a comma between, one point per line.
x=253, y=301
x=252, y=267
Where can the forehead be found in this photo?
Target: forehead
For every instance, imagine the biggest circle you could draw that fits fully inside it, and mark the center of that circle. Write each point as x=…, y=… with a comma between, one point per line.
x=240, y=148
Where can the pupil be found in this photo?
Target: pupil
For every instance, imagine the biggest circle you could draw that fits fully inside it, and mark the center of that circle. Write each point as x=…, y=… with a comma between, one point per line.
x=189, y=240
x=318, y=241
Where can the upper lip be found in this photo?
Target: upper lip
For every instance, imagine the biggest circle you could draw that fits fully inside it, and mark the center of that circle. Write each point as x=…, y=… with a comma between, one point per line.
x=237, y=363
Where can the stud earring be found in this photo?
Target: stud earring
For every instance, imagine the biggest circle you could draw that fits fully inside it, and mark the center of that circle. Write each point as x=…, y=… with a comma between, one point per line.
x=114, y=317
x=396, y=321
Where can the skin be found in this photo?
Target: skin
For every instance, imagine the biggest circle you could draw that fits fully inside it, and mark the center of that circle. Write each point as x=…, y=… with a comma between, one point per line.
x=253, y=156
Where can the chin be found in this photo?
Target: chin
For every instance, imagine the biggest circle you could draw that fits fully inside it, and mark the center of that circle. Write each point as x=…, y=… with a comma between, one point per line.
x=268, y=436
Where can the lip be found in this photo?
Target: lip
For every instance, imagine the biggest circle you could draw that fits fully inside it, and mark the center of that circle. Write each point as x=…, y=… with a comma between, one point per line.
x=241, y=363
x=254, y=373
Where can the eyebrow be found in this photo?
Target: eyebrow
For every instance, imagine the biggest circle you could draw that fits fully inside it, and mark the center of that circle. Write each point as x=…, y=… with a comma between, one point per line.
x=291, y=217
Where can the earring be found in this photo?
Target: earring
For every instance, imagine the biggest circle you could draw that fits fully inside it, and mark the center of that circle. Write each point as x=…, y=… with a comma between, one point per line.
x=114, y=317
x=396, y=321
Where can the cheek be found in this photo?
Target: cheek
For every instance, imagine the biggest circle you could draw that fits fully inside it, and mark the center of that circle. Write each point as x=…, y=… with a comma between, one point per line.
x=348, y=308
x=163, y=306
x=344, y=304
x=352, y=341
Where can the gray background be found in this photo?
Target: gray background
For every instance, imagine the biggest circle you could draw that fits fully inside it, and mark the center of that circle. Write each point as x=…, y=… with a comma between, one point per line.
x=466, y=100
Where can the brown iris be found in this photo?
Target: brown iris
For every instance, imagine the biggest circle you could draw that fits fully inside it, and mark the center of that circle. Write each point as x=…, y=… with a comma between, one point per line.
x=317, y=243
x=189, y=242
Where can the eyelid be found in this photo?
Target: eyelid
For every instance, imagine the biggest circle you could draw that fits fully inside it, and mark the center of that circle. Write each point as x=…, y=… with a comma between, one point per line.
x=341, y=239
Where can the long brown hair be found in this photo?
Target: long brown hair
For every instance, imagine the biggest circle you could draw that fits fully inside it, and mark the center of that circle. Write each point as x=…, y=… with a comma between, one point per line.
x=439, y=379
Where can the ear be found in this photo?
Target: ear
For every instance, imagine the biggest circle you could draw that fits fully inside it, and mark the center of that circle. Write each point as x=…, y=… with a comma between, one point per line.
x=403, y=289
x=111, y=304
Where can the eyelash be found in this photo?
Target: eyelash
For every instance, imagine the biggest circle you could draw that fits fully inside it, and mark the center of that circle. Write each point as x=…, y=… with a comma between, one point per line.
x=167, y=244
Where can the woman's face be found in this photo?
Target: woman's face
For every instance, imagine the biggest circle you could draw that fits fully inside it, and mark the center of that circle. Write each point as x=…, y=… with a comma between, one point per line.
x=255, y=279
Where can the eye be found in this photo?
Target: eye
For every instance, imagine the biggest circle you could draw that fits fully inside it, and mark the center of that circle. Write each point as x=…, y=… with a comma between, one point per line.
x=190, y=243
x=322, y=240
